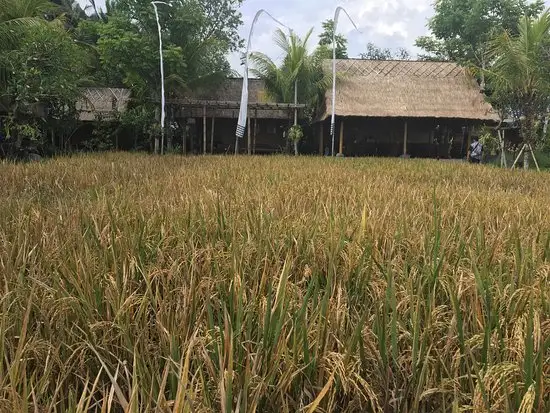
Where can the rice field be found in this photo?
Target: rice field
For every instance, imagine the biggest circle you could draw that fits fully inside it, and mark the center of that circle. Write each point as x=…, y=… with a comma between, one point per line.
x=132, y=283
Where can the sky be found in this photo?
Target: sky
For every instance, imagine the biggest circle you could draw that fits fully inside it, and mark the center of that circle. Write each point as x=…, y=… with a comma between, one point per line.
x=386, y=23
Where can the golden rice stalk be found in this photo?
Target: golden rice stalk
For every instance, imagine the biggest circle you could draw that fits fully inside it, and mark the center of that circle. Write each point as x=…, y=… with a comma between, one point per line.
x=528, y=402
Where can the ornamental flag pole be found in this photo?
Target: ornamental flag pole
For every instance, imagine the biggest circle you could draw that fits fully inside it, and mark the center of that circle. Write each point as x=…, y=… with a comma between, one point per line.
x=243, y=112
x=333, y=116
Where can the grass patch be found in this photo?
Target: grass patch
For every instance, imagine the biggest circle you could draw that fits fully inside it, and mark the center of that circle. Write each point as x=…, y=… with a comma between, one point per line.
x=273, y=284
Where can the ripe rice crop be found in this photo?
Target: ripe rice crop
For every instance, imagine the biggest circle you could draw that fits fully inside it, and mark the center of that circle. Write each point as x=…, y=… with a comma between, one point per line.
x=133, y=283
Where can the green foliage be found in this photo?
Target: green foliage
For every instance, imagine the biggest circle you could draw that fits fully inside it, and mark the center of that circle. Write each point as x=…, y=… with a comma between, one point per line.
x=196, y=34
x=46, y=67
x=490, y=142
x=49, y=48
x=42, y=83
x=461, y=28
x=299, y=69
x=16, y=16
x=132, y=60
x=22, y=130
x=325, y=41
x=103, y=135
x=377, y=53
x=295, y=133
x=519, y=77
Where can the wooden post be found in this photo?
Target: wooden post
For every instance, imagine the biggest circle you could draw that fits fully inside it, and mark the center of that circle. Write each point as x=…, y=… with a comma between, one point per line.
x=249, y=143
x=204, y=129
x=184, y=138
x=405, y=136
x=503, y=160
x=255, y=130
x=321, y=137
x=212, y=136
x=341, y=147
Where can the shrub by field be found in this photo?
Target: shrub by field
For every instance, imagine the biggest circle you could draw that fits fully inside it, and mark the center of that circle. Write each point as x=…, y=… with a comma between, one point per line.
x=220, y=284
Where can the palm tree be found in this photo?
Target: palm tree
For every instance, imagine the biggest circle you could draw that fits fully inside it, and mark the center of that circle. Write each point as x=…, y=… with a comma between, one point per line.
x=519, y=76
x=299, y=77
x=16, y=15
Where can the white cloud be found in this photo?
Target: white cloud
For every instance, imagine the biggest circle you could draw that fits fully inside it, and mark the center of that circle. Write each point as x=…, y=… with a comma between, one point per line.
x=387, y=23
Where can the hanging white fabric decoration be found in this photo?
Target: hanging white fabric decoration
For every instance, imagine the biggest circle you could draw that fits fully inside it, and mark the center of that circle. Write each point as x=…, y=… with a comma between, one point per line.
x=243, y=112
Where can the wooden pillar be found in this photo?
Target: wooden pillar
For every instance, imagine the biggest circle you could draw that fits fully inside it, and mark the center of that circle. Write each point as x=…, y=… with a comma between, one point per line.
x=204, y=129
x=249, y=143
x=341, y=148
x=255, y=131
x=184, y=137
x=212, y=135
x=321, y=137
x=405, y=136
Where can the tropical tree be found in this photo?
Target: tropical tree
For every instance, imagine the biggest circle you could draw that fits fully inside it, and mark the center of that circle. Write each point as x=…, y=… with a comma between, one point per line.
x=17, y=15
x=325, y=41
x=299, y=78
x=197, y=36
x=44, y=74
x=519, y=76
x=40, y=66
x=377, y=53
x=461, y=29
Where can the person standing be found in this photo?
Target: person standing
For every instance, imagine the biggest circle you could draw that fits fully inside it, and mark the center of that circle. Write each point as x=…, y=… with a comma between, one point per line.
x=475, y=153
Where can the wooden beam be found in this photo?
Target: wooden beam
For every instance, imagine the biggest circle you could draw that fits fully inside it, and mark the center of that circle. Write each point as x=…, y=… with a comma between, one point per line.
x=321, y=141
x=212, y=135
x=405, y=136
x=204, y=129
x=341, y=148
x=198, y=103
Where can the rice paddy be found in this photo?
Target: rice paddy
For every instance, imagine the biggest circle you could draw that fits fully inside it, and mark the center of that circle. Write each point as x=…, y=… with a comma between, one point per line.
x=133, y=283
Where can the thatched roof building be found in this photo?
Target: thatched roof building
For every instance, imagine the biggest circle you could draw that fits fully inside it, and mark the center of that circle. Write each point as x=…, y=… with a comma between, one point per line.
x=102, y=103
x=221, y=101
x=224, y=100
x=406, y=89
x=403, y=108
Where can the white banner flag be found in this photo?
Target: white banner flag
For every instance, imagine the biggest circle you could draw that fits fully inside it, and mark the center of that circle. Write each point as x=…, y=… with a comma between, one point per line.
x=243, y=112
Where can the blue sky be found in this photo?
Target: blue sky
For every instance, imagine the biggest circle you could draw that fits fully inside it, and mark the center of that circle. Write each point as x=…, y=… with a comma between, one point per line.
x=387, y=23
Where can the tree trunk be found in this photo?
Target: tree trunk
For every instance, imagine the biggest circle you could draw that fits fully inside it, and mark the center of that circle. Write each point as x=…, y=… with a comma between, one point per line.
x=156, y=145
x=170, y=134
x=528, y=132
x=169, y=140
x=295, y=103
x=296, y=148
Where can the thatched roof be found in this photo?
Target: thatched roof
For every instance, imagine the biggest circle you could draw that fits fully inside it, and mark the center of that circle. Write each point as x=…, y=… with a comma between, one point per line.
x=406, y=89
x=224, y=101
x=102, y=102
